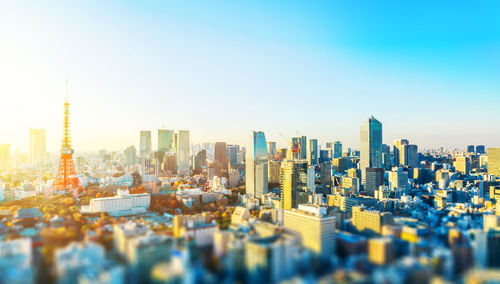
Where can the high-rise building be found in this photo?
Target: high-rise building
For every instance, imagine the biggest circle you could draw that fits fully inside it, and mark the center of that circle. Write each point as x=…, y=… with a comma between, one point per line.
x=170, y=163
x=380, y=251
x=315, y=231
x=4, y=153
x=183, y=153
x=462, y=165
x=470, y=149
x=221, y=155
x=312, y=152
x=370, y=220
x=37, y=153
x=232, y=153
x=145, y=143
x=274, y=172
x=374, y=178
x=303, y=147
x=166, y=141
x=398, y=179
x=272, y=151
x=371, y=146
x=130, y=155
x=398, y=149
x=201, y=161
x=411, y=155
x=293, y=146
x=256, y=165
x=494, y=161
x=386, y=157
x=294, y=183
x=337, y=149
x=480, y=149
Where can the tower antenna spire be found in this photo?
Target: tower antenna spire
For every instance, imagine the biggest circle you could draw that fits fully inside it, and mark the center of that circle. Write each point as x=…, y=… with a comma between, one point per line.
x=66, y=91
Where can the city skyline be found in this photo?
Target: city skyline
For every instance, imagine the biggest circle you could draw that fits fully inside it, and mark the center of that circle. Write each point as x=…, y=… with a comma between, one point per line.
x=439, y=72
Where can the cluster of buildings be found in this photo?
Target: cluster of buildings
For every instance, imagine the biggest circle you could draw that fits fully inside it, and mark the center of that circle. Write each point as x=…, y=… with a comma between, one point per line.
x=300, y=212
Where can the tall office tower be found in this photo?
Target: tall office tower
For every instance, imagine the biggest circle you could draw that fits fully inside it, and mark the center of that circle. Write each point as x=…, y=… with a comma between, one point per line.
x=410, y=155
x=221, y=155
x=256, y=165
x=170, y=163
x=202, y=158
x=462, y=165
x=470, y=149
x=371, y=146
x=272, y=151
x=145, y=143
x=232, y=153
x=183, y=152
x=274, y=172
x=66, y=178
x=312, y=152
x=37, y=146
x=398, y=147
x=480, y=149
x=386, y=157
x=337, y=149
x=4, y=153
x=374, y=179
x=325, y=176
x=293, y=149
x=130, y=155
x=303, y=147
x=166, y=140
x=323, y=156
x=295, y=180
x=398, y=180
x=315, y=231
x=494, y=161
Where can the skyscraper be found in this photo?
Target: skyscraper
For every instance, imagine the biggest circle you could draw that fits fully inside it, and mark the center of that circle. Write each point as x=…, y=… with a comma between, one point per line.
x=462, y=165
x=166, y=140
x=37, y=151
x=398, y=147
x=337, y=149
x=130, y=155
x=145, y=143
x=221, y=155
x=480, y=149
x=183, y=152
x=232, y=153
x=256, y=165
x=303, y=147
x=272, y=150
x=494, y=161
x=295, y=180
x=371, y=145
x=312, y=152
x=411, y=155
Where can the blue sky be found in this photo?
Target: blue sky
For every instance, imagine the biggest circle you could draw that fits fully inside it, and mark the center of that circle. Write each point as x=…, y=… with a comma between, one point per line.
x=428, y=71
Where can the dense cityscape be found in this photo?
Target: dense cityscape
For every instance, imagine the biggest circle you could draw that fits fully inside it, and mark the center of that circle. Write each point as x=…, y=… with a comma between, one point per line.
x=253, y=213
x=292, y=142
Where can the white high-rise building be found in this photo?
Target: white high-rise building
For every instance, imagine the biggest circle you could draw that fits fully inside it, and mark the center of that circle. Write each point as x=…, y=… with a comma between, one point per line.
x=37, y=151
x=256, y=165
x=183, y=153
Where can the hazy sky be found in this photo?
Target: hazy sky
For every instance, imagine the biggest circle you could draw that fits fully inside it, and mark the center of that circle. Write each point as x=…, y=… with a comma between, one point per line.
x=429, y=71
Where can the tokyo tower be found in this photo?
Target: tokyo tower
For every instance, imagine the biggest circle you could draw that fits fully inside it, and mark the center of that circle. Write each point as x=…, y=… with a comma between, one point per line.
x=66, y=178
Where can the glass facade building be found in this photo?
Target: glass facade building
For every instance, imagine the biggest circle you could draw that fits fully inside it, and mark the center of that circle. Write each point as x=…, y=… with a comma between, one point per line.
x=256, y=165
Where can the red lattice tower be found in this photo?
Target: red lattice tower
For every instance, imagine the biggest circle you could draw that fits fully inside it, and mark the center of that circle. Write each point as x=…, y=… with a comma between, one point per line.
x=66, y=178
